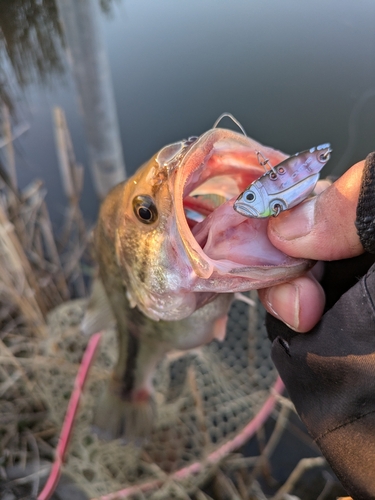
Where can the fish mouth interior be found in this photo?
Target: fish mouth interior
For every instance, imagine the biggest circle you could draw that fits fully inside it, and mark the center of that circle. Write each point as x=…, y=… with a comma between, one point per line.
x=207, y=197
x=224, y=234
x=221, y=236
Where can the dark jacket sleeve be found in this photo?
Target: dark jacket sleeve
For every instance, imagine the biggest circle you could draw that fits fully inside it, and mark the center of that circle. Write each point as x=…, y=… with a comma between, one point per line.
x=330, y=371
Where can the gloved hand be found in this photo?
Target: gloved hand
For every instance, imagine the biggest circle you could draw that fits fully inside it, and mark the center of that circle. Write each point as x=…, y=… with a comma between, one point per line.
x=329, y=372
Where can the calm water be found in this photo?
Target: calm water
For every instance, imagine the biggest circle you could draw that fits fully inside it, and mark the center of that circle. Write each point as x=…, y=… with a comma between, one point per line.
x=296, y=74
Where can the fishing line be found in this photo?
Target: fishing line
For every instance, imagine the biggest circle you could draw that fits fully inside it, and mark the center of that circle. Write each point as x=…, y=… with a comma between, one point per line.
x=234, y=120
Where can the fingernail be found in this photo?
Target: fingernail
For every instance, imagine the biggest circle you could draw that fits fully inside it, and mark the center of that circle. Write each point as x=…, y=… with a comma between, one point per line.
x=295, y=223
x=283, y=301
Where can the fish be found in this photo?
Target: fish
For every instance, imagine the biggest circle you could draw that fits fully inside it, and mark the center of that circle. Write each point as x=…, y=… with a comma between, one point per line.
x=171, y=254
x=285, y=185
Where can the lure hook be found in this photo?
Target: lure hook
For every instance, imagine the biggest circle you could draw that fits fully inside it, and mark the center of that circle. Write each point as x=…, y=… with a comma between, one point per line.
x=234, y=120
x=276, y=210
x=265, y=161
x=326, y=155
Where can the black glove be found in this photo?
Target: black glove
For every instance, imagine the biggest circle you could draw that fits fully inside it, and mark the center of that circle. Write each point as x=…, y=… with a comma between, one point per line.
x=330, y=371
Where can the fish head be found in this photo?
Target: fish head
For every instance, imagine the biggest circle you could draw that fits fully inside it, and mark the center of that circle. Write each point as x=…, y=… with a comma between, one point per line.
x=137, y=219
x=172, y=262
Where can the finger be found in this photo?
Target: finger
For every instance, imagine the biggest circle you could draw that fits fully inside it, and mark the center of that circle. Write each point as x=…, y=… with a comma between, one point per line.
x=322, y=185
x=298, y=303
x=322, y=228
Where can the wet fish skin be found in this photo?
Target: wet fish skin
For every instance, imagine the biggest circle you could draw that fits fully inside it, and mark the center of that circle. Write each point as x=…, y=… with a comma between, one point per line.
x=160, y=280
x=126, y=408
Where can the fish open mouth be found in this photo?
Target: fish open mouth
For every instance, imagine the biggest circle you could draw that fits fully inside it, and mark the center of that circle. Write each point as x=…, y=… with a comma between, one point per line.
x=218, y=240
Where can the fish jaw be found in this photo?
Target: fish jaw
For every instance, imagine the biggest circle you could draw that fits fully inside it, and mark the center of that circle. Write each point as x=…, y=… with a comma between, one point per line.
x=241, y=253
x=148, y=259
x=227, y=251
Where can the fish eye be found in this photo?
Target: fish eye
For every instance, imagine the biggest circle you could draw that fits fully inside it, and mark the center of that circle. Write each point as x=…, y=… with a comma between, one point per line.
x=145, y=209
x=250, y=196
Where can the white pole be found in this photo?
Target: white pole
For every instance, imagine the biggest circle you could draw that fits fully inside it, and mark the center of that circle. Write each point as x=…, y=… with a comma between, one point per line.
x=85, y=46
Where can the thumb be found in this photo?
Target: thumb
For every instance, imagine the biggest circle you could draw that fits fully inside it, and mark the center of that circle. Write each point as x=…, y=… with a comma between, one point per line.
x=322, y=228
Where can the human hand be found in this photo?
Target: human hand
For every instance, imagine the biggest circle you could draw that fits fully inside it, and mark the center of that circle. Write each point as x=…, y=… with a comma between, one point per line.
x=321, y=228
x=330, y=373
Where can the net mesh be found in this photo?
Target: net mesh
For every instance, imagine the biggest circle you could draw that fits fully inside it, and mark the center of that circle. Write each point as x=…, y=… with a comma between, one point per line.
x=204, y=398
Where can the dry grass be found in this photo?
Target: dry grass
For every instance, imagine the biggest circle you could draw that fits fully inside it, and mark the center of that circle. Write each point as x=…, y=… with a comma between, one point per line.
x=38, y=273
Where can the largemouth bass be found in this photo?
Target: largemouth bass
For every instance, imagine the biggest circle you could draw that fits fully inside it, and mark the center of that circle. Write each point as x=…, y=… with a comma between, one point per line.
x=170, y=258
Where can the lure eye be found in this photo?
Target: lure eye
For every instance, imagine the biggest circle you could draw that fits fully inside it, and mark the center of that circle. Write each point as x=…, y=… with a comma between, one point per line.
x=250, y=196
x=145, y=209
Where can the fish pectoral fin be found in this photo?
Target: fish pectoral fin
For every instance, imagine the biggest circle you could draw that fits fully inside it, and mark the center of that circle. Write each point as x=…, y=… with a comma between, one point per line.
x=244, y=298
x=219, y=328
x=117, y=418
x=98, y=315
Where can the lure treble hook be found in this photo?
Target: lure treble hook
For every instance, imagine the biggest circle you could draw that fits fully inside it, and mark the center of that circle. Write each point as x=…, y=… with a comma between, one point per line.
x=265, y=161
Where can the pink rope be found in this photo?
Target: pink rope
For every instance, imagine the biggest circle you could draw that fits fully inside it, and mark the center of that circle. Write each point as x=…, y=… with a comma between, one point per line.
x=71, y=412
x=194, y=468
x=215, y=456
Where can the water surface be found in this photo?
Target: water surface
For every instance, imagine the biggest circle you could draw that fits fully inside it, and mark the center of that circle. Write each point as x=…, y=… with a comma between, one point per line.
x=296, y=74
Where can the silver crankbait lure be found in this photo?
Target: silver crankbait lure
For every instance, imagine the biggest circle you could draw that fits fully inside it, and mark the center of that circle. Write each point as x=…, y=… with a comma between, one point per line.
x=283, y=186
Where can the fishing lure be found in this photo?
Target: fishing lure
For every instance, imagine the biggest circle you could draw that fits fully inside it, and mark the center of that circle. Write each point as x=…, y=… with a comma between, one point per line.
x=283, y=186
